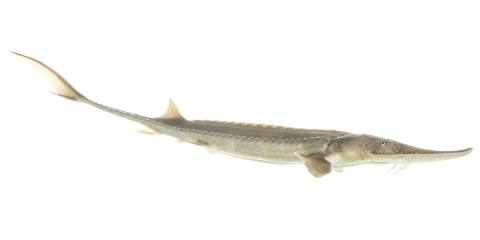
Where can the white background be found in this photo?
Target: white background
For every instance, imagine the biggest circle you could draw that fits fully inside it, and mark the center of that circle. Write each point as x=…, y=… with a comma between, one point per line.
x=407, y=71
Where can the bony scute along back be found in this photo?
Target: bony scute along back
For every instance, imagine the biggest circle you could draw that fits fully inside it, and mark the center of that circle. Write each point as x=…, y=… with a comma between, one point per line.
x=320, y=150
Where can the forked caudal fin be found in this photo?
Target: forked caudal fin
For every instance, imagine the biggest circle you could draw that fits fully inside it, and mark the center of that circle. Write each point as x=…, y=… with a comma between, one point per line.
x=59, y=83
x=64, y=89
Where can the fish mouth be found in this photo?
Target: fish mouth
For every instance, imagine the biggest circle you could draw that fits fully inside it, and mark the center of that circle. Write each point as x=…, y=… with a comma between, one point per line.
x=414, y=154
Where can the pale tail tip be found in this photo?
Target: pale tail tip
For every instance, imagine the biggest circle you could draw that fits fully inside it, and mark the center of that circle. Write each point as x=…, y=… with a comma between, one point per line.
x=16, y=53
x=21, y=55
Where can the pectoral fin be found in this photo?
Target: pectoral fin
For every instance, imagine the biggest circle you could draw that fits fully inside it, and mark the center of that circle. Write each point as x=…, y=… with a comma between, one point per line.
x=316, y=164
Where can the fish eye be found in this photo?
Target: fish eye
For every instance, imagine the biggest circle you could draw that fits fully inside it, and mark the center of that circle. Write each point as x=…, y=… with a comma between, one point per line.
x=383, y=143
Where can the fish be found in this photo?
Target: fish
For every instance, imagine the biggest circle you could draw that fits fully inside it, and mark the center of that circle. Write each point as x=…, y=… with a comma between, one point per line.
x=321, y=151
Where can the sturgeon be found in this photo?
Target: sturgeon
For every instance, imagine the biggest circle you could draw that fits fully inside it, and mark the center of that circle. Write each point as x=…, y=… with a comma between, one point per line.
x=320, y=150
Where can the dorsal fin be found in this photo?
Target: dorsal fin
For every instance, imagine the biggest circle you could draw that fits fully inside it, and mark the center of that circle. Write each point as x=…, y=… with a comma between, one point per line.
x=172, y=112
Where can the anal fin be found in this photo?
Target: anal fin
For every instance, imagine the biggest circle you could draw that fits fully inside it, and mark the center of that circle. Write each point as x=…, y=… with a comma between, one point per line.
x=317, y=165
x=147, y=130
x=198, y=142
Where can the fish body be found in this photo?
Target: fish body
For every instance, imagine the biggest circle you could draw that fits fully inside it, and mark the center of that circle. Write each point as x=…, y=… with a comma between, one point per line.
x=320, y=150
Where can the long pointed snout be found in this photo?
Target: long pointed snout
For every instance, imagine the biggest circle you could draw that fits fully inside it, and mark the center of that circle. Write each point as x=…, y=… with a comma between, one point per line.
x=414, y=154
x=357, y=149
